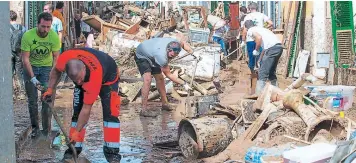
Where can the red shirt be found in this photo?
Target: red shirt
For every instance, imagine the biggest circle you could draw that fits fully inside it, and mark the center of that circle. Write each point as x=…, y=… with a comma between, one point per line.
x=101, y=69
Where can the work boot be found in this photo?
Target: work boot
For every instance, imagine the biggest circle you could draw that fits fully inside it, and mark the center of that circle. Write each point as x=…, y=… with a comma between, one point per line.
x=259, y=86
x=148, y=113
x=274, y=82
x=167, y=107
x=112, y=154
x=68, y=154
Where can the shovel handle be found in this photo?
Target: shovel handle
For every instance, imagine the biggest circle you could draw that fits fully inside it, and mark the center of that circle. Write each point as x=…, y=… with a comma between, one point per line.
x=56, y=118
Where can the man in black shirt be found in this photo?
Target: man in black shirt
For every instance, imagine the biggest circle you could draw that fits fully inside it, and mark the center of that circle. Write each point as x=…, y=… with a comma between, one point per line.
x=77, y=27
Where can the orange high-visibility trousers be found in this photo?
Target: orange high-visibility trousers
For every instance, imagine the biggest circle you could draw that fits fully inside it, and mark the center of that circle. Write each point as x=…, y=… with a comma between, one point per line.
x=110, y=101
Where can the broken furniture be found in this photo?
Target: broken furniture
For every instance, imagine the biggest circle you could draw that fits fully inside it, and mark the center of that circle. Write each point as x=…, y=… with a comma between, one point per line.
x=202, y=12
x=200, y=33
x=101, y=26
x=314, y=119
x=197, y=106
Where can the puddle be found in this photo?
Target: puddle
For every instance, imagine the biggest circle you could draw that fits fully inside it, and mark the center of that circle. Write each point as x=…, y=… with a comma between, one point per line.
x=138, y=134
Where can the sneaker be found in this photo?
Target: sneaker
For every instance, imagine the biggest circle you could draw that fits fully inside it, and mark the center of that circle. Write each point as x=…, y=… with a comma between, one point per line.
x=148, y=113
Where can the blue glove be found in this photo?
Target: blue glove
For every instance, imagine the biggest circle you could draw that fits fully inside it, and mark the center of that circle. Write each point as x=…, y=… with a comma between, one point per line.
x=35, y=81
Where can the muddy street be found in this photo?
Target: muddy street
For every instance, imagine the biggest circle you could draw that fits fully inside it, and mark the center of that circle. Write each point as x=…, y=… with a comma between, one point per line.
x=240, y=81
x=143, y=139
x=138, y=134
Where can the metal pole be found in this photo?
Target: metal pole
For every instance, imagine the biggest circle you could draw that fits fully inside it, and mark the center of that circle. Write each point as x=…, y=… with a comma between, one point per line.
x=7, y=140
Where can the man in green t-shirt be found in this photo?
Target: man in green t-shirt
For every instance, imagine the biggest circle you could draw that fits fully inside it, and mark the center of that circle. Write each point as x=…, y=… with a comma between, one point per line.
x=40, y=48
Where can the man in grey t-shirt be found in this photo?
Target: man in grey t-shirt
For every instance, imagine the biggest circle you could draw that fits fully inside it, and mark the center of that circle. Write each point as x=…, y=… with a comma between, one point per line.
x=152, y=58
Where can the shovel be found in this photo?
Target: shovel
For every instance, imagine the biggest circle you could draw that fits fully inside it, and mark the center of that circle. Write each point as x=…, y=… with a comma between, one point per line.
x=56, y=118
x=187, y=101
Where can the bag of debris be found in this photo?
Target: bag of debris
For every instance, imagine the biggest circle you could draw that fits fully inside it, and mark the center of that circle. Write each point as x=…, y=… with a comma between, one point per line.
x=255, y=154
x=122, y=46
x=216, y=21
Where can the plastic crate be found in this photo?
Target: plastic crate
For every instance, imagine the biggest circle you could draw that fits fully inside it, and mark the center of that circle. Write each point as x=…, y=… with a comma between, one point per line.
x=199, y=35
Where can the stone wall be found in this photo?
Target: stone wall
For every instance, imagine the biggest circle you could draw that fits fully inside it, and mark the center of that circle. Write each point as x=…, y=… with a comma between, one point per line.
x=345, y=76
x=19, y=8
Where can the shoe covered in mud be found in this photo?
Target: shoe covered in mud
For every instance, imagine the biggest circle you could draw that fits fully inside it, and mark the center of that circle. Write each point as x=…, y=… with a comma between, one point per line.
x=68, y=154
x=112, y=155
x=148, y=113
x=167, y=107
x=35, y=132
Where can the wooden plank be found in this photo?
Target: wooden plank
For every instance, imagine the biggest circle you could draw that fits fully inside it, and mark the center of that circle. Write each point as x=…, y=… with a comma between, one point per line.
x=134, y=28
x=197, y=86
x=250, y=133
x=133, y=8
x=97, y=23
x=287, y=24
x=94, y=22
x=290, y=39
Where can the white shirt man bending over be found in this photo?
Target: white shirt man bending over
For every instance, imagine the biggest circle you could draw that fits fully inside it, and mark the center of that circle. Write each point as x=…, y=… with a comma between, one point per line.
x=272, y=51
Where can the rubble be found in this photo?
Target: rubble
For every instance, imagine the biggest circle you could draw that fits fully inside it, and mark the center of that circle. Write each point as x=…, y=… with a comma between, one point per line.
x=277, y=122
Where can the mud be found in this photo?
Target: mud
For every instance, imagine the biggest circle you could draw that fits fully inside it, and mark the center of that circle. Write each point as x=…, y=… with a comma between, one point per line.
x=137, y=135
x=142, y=139
x=323, y=136
x=238, y=74
x=278, y=140
x=351, y=113
x=21, y=122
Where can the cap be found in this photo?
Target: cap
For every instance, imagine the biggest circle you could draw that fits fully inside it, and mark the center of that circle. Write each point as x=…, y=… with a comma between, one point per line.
x=175, y=46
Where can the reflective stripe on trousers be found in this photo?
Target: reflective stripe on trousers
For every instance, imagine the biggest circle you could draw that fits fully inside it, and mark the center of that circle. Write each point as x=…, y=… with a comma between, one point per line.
x=112, y=134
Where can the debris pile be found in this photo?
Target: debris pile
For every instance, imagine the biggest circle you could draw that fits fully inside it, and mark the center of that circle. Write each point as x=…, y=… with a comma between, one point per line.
x=271, y=125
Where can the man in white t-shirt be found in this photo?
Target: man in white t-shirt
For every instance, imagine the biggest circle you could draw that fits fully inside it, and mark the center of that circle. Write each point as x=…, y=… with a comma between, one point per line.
x=259, y=20
x=272, y=51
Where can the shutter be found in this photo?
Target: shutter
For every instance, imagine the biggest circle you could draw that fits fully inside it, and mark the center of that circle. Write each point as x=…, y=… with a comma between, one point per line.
x=226, y=8
x=343, y=32
x=294, y=45
x=34, y=9
x=213, y=5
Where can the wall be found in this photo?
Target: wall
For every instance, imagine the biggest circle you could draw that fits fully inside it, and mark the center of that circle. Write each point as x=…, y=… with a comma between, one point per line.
x=7, y=140
x=316, y=34
x=306, y=33
x=319, y=37
x=18, y=7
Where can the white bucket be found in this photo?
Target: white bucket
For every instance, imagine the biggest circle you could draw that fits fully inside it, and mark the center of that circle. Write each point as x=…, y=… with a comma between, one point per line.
x=208, y=67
